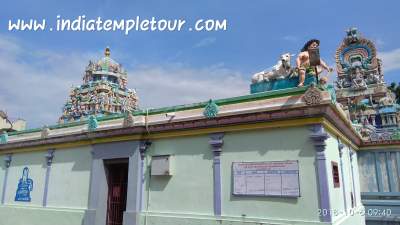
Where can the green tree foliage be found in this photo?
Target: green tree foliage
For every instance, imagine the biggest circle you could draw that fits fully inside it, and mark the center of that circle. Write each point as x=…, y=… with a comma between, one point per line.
x=396, y=90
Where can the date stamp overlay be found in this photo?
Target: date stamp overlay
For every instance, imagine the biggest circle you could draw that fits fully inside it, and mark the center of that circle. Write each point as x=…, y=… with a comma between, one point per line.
x=372, y=212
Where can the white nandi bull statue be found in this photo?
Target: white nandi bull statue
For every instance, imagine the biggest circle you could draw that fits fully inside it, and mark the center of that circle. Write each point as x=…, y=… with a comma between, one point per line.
x=280, y=71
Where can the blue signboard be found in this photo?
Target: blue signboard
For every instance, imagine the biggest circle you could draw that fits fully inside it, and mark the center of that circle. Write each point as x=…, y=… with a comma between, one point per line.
x=25, y=186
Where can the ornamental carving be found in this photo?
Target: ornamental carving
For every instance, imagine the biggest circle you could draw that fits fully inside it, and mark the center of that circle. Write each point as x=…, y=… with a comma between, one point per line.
x=45, y=132
x=211, y=109
x=128, y=120
x=313, y=96
x=357, y=63
x=92, y=123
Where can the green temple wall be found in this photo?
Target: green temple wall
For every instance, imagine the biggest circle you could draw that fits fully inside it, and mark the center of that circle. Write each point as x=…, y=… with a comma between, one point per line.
x=2, y=172
x=21, y=215
x=67, y=192
x=190, y=189
x=35, y=161
x=336, y=194
x=271, y=145
x=176, y=199
x=349, y=181
x=69, y=178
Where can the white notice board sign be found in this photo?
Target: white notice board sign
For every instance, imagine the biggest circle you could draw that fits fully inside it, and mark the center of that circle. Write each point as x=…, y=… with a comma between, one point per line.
x=275, y=178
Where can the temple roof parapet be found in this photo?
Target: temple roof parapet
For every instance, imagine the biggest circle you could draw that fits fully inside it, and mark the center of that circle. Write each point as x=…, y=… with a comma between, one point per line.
x=272, y=106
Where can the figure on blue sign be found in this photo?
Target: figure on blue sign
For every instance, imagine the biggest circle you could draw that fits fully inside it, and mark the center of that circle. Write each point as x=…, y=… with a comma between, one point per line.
x=25, y=186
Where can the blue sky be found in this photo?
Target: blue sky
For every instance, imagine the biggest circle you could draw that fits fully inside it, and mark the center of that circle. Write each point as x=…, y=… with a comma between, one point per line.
x=38, y=68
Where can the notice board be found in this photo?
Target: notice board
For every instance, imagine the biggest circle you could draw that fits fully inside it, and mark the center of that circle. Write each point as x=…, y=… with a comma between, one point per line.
x=274, y=178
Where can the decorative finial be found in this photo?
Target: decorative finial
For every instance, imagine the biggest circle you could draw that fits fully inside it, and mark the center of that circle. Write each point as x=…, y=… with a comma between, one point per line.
x=107, y=51
x=211, y=109
x=92, y=123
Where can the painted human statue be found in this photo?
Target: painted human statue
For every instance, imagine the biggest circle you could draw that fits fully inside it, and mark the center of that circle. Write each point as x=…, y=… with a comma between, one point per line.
x=25, y=186
x=303, y=66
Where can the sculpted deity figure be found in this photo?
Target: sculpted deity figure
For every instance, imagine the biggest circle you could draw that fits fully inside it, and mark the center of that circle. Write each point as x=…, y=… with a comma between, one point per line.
x=352, y=35
x=358, y=81
x=303, y=62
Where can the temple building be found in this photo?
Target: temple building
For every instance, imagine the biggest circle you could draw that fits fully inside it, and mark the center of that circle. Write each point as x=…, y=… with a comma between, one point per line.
x=288, y=153
x=103, y=92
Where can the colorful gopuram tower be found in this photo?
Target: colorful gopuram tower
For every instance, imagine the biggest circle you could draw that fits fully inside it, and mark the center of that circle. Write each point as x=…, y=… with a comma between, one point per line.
x=103, y=92
x=361, y=89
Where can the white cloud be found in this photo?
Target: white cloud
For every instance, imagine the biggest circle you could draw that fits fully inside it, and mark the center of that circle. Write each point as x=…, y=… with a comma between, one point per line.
x=290, y=38
x=390, y=60
x=176, y=84
x=35, y=83
x=379, y=42
x=205, y=42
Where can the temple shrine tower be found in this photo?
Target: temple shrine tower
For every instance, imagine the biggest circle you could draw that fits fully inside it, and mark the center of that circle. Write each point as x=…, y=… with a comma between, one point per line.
x=103, y=92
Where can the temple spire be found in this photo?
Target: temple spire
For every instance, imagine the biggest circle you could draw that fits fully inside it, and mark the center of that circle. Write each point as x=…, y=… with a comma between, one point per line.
x=107, y=52
x=103, y=92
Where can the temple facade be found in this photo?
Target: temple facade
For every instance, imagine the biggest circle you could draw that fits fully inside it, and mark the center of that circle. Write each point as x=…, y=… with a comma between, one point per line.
x=284, y=154
x=216, y=162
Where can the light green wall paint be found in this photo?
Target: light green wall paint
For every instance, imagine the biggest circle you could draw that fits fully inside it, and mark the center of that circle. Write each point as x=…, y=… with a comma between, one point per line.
x=186, y=197
x=2, y=173
x=19, y=215
x=190, y=188
x=176, y=200
x=174, y=219
x=356, y=219
x=336, y=194
x=271, y=145
x=35, y=161
x=69, y=178
x=357, y=179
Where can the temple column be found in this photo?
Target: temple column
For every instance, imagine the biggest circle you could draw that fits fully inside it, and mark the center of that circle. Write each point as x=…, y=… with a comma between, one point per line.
x=7, y=163
x=216, y=142
x=319, y=136
x=340, y=148
x=49, y=160
x=134, y=203
x=143, y=146
x=383, y=120
x=352, y=154
x=373, y=120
